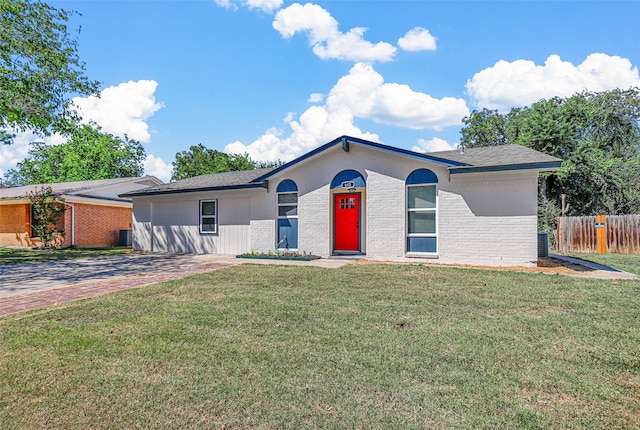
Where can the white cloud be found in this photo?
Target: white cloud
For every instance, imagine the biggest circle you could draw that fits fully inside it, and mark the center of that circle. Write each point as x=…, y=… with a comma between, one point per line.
x=325, y=39
x=433, y=145
x=316, y=126
x=522, y=82
x=417, y=39
x=264, y=5
x=10, y=155
x=363, y=94
x=122, y=109
x=366, y=94
x=316, y=98
x=156, y=166
x=227, y=4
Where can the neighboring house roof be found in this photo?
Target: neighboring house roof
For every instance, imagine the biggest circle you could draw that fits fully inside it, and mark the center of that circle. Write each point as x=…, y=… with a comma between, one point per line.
x=472, y=160
x=86, y=189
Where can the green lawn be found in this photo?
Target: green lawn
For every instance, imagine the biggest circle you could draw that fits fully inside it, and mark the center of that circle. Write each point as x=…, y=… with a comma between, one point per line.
x=364, y=346
x=27, y=255
x=627, y=262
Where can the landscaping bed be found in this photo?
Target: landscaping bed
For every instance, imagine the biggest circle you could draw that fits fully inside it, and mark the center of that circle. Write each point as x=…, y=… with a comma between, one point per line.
x=293, y=256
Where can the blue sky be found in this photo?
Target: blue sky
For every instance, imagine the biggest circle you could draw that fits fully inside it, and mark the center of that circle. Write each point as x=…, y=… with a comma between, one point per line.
x=276, y=79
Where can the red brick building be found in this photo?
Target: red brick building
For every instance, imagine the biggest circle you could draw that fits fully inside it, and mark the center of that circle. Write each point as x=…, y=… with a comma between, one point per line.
x=94, y=216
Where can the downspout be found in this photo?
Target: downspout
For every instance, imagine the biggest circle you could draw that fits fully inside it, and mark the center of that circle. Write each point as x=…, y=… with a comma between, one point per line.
x=73, y=222
x=151, y=226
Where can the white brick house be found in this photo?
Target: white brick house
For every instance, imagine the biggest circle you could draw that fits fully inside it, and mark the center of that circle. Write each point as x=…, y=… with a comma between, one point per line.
x=355, y=197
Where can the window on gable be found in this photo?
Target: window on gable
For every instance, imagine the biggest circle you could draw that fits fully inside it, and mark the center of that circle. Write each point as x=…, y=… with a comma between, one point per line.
x=422, y=211
x=208, y=216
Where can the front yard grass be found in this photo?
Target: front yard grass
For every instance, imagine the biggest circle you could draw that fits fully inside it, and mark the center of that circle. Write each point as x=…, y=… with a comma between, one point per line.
x=10, y=256
x=364, y=346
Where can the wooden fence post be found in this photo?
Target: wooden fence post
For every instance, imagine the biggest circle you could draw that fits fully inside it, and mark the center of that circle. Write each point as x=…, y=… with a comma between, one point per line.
x=601, y=233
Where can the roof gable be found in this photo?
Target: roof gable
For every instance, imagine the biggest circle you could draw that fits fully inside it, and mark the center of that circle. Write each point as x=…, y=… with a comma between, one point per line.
x=473, y=160
x=346, y=141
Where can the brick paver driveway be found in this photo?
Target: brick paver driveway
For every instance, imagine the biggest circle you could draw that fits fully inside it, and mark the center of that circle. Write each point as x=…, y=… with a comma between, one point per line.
x=29, y=286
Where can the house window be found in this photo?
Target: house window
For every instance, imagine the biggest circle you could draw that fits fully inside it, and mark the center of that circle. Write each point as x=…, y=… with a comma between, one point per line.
x=208, y=216
x=422, y=212
x=287, y=195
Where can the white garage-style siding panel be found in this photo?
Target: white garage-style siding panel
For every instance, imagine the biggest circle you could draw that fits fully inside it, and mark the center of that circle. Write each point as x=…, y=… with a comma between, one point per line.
x=176, y=228
x=234, y=226
x=171, y=224
x=141, y=225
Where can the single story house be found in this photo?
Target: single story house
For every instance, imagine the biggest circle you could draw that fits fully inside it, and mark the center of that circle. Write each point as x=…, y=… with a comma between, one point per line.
x=94, y=216
x=356, y=197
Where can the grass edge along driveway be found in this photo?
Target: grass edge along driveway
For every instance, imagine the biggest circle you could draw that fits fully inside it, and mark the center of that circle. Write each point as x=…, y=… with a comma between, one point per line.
x=9, y=255
x=363, y=346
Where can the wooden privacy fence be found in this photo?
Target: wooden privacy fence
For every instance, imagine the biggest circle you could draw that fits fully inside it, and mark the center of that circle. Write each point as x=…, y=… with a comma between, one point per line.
x=599, y=234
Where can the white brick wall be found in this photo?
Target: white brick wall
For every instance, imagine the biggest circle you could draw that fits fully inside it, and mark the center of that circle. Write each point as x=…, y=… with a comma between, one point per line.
x=263, y=235
x=385, y=216
x=314, y=217
x=488, y=222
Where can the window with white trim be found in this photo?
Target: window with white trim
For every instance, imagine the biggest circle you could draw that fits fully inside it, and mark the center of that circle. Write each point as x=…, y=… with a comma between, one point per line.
x=422, y=212
x=208, y=216
x=287, y=195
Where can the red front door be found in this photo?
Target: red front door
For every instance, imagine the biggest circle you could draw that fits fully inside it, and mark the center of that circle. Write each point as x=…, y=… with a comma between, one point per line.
x=347, y=222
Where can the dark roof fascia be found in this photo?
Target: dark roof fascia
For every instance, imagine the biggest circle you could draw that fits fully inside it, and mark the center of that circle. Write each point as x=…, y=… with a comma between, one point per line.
x=378, y=146
x=546, y=165
x=195, y=190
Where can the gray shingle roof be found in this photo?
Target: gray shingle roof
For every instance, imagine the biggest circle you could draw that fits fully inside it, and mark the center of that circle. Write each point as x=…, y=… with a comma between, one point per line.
x=214, y=181
x=66, y=187
x=494, y=158
x=502, y=155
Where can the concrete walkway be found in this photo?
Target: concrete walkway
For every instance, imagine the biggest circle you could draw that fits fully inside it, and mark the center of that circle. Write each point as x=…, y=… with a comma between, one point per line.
x=30, y=286
x=595, y=270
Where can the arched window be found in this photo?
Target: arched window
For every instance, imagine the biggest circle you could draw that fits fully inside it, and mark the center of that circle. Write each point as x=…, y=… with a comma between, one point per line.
x=422, y=212
x=287, y=195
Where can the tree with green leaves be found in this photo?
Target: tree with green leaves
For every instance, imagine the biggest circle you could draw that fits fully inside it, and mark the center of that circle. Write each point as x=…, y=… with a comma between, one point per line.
x=39, y=69
x=596, y=134
x=89, y=154
x=200, y=160
x=47, y=208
